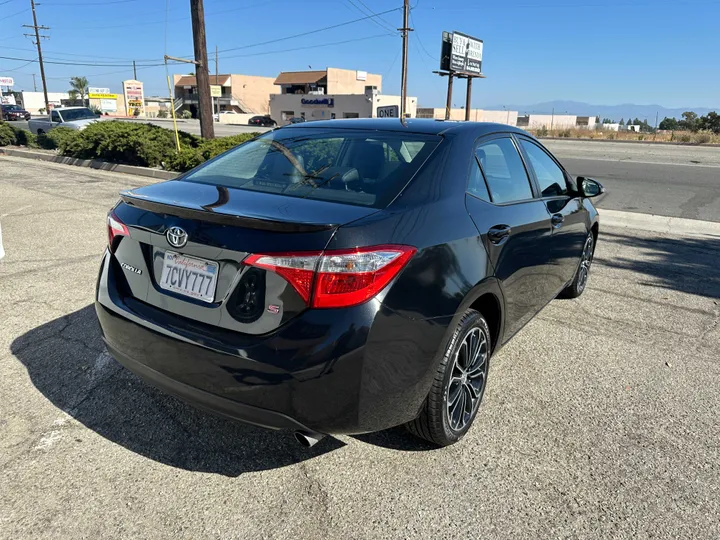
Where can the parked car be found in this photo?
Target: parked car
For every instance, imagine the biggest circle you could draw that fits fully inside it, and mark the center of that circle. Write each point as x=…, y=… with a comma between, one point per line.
x=71, y=117
x=297, y=120
x=264, y=121
x=344, y=276
x=14, y=112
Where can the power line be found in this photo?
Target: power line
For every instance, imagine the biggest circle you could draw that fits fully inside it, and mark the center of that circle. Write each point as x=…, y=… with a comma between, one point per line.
x=14, y=14
x=417, y=35
x=79, y=63
x=309, y=32
x=376, y=20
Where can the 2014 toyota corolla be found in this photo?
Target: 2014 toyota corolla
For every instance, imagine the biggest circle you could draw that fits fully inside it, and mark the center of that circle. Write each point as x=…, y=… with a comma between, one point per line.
x=344, y=276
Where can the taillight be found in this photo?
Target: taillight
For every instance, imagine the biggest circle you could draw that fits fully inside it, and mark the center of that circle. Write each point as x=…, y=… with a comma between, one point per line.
x=339, y=278
x=116, y=228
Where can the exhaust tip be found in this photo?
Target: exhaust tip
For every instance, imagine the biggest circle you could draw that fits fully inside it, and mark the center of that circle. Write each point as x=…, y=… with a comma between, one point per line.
x=308, y=439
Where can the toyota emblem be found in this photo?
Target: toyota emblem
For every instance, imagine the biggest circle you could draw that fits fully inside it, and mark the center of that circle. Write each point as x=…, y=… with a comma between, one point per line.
x=176, y=237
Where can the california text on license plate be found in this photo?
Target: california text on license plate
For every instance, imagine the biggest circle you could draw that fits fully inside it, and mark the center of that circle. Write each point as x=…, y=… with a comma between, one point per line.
x=192, y=277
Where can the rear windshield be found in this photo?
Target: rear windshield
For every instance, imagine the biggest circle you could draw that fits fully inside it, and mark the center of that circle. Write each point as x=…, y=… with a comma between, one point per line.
x=365, y=168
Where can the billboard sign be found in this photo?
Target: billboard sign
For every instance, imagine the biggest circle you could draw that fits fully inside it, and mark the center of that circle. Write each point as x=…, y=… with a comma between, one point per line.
x=461, y=53
x=7, y=81
x=388, y=111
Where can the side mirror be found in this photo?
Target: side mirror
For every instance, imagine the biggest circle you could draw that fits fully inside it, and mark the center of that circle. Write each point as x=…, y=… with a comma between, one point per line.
x=589, y=187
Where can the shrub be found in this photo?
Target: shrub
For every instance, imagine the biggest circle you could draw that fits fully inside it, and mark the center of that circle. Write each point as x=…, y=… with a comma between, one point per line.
x=96, y=110
x=542, y=132
x=123, y=142
x=162, y=113
x=190, y=157
x=24, y=138
x=7, y=134
x=186, y=159
x=187, y=115
x=685, y=137
x=703, y=138
x=565, y=133
x=56, y=138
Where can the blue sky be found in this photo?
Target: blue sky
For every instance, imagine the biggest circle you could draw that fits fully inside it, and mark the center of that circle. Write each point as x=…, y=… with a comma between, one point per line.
x=597, y=51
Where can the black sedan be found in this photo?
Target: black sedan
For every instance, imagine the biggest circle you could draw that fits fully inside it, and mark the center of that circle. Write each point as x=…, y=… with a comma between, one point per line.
x=264, y=121
x=344, y=276
x=14, y=112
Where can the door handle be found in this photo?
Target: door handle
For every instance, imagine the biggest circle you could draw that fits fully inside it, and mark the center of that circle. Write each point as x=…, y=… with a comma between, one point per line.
x=557, y=220
x=499, y=233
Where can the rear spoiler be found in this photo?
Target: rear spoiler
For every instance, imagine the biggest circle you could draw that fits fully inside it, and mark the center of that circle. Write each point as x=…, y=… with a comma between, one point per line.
x=207, y=213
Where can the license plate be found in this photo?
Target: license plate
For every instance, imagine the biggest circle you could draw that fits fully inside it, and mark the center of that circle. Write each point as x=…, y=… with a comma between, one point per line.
x=189, y=276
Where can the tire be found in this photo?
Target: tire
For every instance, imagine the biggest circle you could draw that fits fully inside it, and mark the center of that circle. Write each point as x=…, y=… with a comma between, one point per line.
x=579, y=282
x=439, y=422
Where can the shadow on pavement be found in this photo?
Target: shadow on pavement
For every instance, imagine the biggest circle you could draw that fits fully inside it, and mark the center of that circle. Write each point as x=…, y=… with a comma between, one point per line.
x=690, y=265
x=397, y=438
x=67, y=362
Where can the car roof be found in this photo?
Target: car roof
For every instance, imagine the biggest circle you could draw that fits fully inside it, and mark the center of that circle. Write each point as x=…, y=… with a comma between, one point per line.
x=414, y=125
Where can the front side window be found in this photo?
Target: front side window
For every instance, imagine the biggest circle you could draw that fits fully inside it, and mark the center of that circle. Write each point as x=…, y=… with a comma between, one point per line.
x=550, y=177
x=504, y=170
x=55, y=116
x=347, y=166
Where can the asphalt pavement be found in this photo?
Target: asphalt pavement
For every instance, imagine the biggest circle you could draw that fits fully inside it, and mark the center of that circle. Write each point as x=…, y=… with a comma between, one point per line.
x=669, y=180
x=600, y=419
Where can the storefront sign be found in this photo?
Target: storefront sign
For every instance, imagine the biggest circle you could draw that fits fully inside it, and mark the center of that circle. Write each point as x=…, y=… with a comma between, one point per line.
x=108, y=105
x=7, y=81
x=215, y=90
x=318, y=102
x=101, y=95
x=134, y=98
x=97, y=90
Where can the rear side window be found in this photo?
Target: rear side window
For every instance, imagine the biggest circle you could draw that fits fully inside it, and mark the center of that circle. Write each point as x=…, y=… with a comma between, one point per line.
x=504, y=170
x=476, y=185
x=348, y=166
x=550, y=177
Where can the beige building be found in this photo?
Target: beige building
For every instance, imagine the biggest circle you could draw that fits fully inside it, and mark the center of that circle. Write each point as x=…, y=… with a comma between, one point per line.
x=330, y=81
x=333, y=93
x=239, y=93
x=476, y=115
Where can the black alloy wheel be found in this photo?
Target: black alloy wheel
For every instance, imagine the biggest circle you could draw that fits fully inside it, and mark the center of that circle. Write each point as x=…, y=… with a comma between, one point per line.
x=580, y=280
x=459, y=385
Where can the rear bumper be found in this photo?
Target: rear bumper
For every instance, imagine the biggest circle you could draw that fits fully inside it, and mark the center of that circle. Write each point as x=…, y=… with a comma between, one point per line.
x=331, y=371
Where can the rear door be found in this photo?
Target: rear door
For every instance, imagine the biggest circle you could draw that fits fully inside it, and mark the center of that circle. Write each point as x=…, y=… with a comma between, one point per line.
x=567, y=213
x=515, y=228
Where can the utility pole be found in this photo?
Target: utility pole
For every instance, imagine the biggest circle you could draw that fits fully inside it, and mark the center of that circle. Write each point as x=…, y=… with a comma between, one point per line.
x=405, y=34
x=217, y=100
x=34, y=84
x=202, y=74
x=134, y=72
x=40, y=58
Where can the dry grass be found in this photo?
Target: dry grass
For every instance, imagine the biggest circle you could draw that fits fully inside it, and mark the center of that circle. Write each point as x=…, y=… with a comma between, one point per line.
x=687, y=137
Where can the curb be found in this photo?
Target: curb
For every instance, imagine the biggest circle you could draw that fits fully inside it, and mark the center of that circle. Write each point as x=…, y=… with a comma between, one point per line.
x=659, y=224
x=91, y=163
x=619, y=141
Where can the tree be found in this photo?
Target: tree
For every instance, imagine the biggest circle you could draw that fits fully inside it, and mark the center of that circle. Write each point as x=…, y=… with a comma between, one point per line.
x=78, y=89
x=710, y=122
x=669, y=124
x=597, y=119
x=690, y=121
x=629, y=122
x=622, y=121
x=608, y=121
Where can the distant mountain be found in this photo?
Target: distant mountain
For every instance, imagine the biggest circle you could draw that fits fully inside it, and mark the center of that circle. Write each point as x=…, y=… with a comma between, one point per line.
x=615, y=112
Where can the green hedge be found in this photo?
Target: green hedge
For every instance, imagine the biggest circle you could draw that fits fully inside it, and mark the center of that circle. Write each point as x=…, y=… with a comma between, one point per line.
x=7, y=134
x=130, y=143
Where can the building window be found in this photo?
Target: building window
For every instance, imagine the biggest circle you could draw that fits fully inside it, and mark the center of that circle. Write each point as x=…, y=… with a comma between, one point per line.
x=351, y=115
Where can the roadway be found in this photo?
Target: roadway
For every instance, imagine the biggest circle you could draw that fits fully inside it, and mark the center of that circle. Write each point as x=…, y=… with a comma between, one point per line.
x=600, y=419
x=667, y=180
